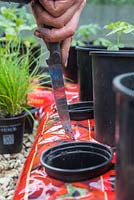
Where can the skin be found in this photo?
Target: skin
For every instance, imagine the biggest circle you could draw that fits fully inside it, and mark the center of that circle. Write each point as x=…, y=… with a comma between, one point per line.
x=63, y=16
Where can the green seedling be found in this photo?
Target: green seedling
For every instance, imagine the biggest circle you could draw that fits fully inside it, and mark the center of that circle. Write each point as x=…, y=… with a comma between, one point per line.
x=86, y=34
x=14, y=22
x=119, y=29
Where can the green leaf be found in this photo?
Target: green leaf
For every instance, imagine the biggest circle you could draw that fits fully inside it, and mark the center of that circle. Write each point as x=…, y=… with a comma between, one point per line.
x=19, y=21
x=9, y=13
x=122, y=27
x=119, y=28
x=26, y=28
x=102, y=41
x=10, y=31
x=113, y=47
x=86, y=33
x=6, y=23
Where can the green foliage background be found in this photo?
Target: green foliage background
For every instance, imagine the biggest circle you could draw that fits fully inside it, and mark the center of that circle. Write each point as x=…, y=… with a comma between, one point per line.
x=111, y=1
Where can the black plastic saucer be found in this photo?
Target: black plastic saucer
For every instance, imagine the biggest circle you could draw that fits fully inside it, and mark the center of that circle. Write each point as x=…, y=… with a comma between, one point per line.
x=76, y=161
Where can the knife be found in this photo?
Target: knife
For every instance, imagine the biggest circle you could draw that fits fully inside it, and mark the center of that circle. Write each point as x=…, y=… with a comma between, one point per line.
x=55, y=70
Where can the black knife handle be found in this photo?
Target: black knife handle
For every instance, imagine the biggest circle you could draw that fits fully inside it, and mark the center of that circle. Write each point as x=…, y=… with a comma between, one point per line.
x=55, y=51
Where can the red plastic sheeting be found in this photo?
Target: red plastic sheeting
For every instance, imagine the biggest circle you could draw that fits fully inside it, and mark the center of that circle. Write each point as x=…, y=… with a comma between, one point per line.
x=35, y=184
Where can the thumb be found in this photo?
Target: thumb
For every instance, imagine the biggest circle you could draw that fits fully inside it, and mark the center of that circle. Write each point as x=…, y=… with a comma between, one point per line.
x=65, y=46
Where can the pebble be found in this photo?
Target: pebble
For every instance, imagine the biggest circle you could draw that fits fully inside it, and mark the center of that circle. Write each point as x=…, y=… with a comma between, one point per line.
x=11, y=166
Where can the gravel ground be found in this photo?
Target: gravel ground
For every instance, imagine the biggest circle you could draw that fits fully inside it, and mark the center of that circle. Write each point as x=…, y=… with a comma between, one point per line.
x=11, y=166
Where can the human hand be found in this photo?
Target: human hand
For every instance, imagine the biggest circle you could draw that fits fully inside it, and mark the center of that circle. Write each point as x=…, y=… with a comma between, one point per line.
x=63, y=16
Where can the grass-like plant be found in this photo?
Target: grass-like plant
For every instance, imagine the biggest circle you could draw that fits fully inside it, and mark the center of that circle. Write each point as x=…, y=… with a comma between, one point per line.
x=15, y=80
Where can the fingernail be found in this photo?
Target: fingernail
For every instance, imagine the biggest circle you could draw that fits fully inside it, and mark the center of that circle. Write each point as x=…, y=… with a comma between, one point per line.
x=66, y=63
x=33, y=3
x=37, y=33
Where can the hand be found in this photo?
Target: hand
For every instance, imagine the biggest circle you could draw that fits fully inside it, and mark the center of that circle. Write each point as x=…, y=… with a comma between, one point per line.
x=63, y=16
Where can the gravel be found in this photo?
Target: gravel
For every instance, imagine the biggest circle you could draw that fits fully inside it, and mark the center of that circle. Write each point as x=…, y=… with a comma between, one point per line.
x=11, y=166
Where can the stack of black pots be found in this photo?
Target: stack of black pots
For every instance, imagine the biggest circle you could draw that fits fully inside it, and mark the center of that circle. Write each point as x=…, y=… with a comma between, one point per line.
x=96, y=70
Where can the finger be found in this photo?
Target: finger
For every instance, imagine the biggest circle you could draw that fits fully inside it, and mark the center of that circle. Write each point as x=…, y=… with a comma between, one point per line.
x=37, y=34
x=56, y=35
x=58, y=7
x=65, y=46
x=43, y=17
x=36, y=9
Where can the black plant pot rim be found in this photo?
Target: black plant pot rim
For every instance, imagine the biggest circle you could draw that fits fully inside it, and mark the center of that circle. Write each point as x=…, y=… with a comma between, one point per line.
x=8, y=118
x=83, y=173
x=31, y=109
x=118, y=86
x=81, y=110
x=90, y=47
x=120, y=53
x=77, y=143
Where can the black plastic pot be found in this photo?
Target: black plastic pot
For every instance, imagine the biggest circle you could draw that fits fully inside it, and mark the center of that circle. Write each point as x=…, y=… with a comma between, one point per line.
x=11, y=134
x=76, y=161
x=71, y=70
x=81, y=111
x=84, y=62
x=107, y=65
x=124, y=87
x=29, y=121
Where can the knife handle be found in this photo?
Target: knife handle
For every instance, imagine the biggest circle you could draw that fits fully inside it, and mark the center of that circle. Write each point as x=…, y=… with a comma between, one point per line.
x=55, y=51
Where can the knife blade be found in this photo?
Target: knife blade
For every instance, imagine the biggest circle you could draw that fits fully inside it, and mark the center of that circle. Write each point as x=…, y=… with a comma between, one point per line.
x=55, y=70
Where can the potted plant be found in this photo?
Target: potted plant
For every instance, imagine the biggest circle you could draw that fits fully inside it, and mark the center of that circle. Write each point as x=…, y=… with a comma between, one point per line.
x=14, y=22
x=87, y=38
x=15, y=84
x=85, y=35
x=17, y=24
x=106, y=65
